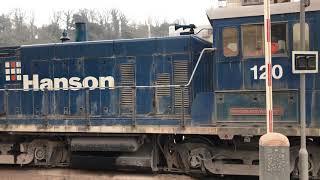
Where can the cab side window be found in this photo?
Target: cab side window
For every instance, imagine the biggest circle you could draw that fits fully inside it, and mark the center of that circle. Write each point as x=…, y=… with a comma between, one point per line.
x=296, y=37
x=230, y=42
x=279, y=38
x=253, y=39
x=253, y=44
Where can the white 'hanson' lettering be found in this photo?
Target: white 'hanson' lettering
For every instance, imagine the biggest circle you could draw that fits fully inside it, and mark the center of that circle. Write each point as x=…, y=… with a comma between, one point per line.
x=74, y=83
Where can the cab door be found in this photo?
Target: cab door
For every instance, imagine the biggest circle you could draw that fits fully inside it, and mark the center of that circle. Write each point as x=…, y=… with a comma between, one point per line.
x=228, y=62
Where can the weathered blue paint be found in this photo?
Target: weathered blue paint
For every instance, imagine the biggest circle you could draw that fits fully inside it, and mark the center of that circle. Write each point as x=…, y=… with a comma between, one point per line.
x=286, y=101
x=150, y=57
x=219, y=84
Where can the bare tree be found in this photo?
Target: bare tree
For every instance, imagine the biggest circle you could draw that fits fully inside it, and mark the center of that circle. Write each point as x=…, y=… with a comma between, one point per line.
x=18, y=27
x=5, y=23
x=82, y=15
x=32, y=28
x=18, y=19
x=56, y=17
x=5, y=30
x=115, y=22
x=104, y=19
x=67, y=19
x=93, y=16
x=125, y=28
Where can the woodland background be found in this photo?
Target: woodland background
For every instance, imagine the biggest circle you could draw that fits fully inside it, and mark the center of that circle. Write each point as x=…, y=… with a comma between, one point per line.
x=18, y=26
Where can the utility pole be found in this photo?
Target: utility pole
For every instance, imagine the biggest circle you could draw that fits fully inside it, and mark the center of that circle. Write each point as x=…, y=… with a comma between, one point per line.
x=149, y=30
x=303, y=153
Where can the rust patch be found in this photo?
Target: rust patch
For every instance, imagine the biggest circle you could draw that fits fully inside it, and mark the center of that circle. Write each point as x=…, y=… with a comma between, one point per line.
x=254, y=111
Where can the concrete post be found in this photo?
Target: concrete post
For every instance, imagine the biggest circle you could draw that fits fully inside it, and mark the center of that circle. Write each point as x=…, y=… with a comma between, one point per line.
x=274, y=157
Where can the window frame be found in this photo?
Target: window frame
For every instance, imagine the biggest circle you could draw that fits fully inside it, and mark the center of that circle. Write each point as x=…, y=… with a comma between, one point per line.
x=237, y=41
x=242, y=41
x=285, y=54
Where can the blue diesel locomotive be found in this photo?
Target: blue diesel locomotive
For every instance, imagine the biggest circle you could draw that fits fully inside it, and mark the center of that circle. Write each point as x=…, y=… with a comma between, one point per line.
x=174, y=104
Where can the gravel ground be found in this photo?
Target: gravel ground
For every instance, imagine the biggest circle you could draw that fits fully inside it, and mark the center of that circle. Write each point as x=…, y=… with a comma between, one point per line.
x=70, y=174
x=66, y=174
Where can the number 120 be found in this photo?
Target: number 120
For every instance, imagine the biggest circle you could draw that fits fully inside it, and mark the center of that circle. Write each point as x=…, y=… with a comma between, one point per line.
x=277, y=72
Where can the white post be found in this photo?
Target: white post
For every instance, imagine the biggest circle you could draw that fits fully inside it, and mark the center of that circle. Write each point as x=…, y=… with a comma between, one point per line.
x=274, y=148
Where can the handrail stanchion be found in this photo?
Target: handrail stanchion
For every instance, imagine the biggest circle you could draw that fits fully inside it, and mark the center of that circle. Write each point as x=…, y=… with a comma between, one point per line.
x=6, y=104
x=87, y=102
x=134, y=121
x=46, y=106
x=182, y=107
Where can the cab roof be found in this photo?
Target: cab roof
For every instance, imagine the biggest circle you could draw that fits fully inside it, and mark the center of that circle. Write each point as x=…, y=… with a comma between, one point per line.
x=257, y=10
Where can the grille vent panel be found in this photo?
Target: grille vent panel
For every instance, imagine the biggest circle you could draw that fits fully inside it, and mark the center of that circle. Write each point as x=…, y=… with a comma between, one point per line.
x=163, y=79
x=180, y=71
x=127, y=79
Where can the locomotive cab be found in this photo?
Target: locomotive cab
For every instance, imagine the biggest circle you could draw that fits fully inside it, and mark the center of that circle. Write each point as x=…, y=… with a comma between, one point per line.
x=240, y=71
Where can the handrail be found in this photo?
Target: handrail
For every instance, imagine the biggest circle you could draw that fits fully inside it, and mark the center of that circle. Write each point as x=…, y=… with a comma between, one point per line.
x=199, y=59
x=120, y=87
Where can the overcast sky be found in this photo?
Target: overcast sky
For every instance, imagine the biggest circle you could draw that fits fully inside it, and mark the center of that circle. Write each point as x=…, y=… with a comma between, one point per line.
x=138, y=10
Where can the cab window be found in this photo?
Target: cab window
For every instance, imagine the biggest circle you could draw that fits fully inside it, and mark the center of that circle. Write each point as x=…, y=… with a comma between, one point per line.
x=230, y=42
x=296, y=37
x=279, y=38
x=253, y=44
x=253, y=39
